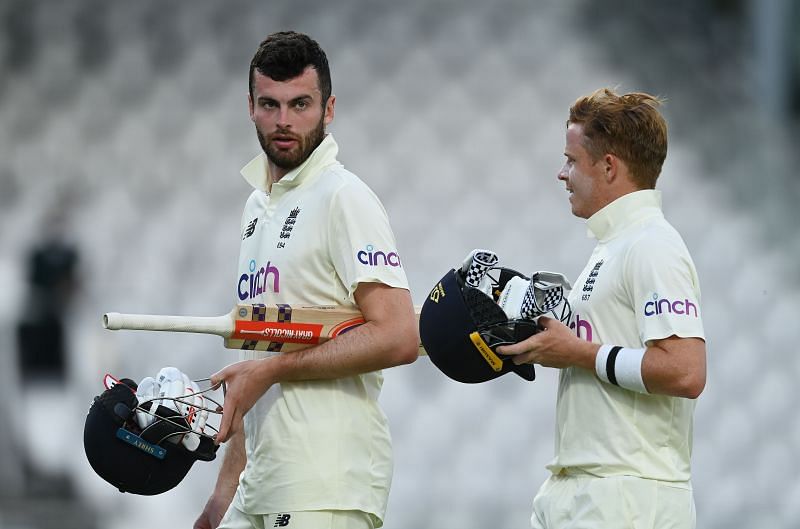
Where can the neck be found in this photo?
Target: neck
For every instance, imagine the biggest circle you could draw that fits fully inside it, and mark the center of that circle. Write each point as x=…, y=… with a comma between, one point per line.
x=274, y=174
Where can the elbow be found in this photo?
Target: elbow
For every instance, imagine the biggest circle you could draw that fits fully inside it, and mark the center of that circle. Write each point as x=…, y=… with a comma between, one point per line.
x=688, y=385
x=694, y=390
x=678, y=367
x=406, y=350
x=695, y=380
x=691, y=386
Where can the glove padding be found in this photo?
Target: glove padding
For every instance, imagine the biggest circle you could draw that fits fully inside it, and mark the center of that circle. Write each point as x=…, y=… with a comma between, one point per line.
x=174, y=390
x=146, y=392
x=474, y=269
x=512, y=296
x=529, y=299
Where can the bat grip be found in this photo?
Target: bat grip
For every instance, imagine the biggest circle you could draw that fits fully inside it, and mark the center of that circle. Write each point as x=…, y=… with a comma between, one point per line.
x=219, y=325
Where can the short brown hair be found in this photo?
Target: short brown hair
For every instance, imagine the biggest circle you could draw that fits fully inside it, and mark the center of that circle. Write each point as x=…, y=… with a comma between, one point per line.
x=628, y=126
x=285, y=55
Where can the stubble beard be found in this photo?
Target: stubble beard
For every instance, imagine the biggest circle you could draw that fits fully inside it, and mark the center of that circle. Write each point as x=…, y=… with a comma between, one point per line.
x=288, y=160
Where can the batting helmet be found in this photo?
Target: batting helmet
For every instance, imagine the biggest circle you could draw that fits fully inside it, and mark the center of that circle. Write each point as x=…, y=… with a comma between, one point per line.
x=461, y=326
x=145, y=461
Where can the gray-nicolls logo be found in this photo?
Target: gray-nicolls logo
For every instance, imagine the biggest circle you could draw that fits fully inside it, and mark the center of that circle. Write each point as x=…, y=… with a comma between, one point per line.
x=250, y=229
x=282, y=520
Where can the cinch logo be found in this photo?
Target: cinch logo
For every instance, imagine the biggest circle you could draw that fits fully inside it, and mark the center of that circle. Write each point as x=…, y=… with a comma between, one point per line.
x=255, y=283
x=579, y=325
x=660, y=306
x=377, y=258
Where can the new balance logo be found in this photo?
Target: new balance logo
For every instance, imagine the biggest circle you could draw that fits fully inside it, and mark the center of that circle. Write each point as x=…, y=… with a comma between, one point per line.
x=282, y=520
x=251, y=228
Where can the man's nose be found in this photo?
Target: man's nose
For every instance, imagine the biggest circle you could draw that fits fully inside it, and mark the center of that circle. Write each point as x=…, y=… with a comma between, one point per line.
x=284, y=121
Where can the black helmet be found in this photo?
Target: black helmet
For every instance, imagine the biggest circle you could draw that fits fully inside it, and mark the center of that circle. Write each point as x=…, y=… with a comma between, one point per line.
x=146, y=462
x=461, y=326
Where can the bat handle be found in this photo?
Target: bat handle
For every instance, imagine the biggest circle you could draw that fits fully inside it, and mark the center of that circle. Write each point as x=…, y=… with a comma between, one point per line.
x=219, y=325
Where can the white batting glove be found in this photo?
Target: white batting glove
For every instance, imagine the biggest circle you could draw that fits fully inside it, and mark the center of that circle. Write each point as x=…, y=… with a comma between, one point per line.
x=512, y=296
x=552, y=278
x=193, y=409
x=474, y=268
x=179, y=394
x=531, y=298
x=146, y=391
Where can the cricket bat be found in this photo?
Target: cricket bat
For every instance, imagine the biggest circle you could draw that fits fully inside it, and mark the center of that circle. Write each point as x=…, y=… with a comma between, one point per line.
x=279, y=328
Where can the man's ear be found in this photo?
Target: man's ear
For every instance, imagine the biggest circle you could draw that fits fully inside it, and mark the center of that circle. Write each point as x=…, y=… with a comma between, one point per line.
x=617, y=173
x=611, y=167
x=250, y=108
x=330, y=105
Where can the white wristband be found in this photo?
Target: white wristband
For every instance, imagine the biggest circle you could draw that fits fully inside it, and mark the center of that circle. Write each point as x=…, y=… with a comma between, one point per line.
x=620, y=366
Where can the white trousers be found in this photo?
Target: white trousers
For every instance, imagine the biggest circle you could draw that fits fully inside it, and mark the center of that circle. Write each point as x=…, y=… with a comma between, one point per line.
x=581, y=501
x=236, y=519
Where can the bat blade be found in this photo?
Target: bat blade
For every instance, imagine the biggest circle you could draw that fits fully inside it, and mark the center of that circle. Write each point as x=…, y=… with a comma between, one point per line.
x=279, y=328
x=287, y=328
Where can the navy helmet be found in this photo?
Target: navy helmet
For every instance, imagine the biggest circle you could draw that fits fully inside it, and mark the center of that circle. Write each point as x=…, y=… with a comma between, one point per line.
x=146, y=462
x=461, y=326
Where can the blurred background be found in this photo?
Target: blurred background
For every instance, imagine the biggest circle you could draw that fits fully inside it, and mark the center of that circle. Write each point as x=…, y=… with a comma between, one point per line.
x=123, y=126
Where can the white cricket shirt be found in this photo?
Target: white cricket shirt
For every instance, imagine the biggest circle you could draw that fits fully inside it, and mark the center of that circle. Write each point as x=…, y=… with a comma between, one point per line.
x=324, y=444
x=639, y=285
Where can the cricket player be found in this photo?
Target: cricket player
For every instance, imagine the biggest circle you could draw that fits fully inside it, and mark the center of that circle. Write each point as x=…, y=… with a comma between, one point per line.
x=633, y=358
x=308, y=447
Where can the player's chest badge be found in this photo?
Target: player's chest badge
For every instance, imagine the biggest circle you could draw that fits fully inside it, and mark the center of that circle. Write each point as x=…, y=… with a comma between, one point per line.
x=288, y=226
x=588, y=285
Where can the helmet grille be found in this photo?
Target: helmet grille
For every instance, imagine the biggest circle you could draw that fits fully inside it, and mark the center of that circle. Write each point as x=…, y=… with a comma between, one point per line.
x=482, y=309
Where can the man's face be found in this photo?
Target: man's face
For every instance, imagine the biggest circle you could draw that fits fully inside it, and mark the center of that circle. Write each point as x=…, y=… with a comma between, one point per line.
x=289, y=117
x=583, y=176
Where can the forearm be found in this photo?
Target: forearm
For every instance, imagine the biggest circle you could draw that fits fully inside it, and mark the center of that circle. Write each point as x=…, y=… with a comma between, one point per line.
x=579, y=353
x=369, y=347
x=232, y=466
x=674, y=366
x=390, y=337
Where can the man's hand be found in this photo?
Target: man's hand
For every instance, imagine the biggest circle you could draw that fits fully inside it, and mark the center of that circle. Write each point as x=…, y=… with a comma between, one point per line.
x=556, y=345
x=225, y=488
x=211, y=516
x=245, y=383
x=212, y=513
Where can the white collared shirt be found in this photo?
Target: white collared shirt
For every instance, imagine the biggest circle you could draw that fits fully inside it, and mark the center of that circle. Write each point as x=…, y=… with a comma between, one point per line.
x=639, y=285
x=325, y=444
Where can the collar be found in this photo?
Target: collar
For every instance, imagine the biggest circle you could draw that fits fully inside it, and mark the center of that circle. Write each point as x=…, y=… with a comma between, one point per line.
x=624, y=211
x=257, y=170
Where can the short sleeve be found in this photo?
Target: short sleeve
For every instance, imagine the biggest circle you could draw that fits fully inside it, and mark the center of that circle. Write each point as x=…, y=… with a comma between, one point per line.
x=664, y=287
x=363, y=247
